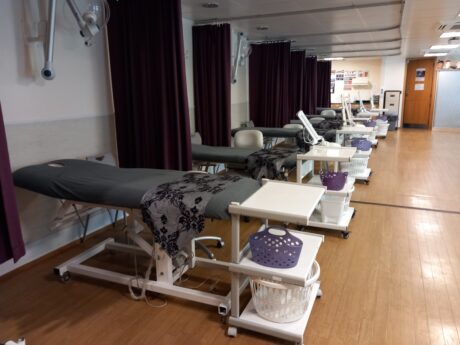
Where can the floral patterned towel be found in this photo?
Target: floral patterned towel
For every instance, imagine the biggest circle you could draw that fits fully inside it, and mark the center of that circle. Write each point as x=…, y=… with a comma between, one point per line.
x=174, y=211
x=269, y=163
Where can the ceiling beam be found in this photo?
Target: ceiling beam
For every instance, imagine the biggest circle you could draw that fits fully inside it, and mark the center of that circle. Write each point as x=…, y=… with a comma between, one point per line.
x=302, y=12
x=365, y=56
x=357, y=51
x=352, y=51
x=330, y=33
x=346, y=43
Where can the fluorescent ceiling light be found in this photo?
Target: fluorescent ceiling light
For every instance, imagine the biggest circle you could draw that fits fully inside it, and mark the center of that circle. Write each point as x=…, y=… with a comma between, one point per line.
x=450, y=34
x=434, y=54
x=334, y=59
x=445, y=46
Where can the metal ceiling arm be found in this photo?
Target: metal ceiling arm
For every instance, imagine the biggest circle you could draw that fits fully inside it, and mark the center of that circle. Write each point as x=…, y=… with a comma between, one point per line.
x=48, y=70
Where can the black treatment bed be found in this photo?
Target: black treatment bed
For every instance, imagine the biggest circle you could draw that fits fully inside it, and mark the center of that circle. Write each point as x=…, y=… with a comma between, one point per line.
x=95, y=183
x=281, y=160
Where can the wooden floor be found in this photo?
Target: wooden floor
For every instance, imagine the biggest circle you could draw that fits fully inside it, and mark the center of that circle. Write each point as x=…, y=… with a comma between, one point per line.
x=396, y=280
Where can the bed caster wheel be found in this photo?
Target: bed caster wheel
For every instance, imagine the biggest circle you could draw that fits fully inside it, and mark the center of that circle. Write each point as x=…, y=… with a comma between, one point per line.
x=345, y=235
x=232, y=332
x=220, y=244
x=65, y=277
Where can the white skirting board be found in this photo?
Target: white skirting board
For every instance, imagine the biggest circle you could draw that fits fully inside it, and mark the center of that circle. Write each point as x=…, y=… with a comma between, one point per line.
x=58, y=239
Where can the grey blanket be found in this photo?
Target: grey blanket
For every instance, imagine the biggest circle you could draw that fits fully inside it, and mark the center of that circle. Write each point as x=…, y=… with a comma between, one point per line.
x=270, y=163
x=174, y=211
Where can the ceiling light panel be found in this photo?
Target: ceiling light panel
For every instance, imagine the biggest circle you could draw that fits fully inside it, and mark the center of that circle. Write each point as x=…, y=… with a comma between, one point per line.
x=445, y=46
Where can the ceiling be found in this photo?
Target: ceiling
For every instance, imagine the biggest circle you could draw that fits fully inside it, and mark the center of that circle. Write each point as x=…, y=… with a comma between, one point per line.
x=333, y=28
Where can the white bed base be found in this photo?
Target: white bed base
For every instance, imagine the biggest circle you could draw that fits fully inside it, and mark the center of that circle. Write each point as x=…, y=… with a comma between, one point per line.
x=166, y=273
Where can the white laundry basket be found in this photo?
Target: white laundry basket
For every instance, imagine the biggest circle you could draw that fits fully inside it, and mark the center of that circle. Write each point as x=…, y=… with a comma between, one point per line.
x=278, y=302
x=356, y=166
x=382, y=129
x=332, y=208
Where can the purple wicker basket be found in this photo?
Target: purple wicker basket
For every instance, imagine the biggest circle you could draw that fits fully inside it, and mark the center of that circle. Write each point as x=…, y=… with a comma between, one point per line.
x=277, y=248
x=370, y=123
x=333, y=180
x=361, y=144
x=382, y=118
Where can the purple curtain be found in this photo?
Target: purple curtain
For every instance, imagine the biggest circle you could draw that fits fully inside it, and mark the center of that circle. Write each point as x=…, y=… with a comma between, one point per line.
x=296, y=82
x=211, y=80
x=269, y=84
x=11, y=243
x=324, y=84
x=149, y=87
x=310, y=85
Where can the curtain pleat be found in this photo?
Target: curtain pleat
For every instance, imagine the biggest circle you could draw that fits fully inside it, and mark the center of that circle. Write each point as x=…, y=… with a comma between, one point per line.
x=11, y=242
x=324, y=84
x=212, y=84
x=148, y=83
x=310, y=85
x=269, y=84
x=296, y=83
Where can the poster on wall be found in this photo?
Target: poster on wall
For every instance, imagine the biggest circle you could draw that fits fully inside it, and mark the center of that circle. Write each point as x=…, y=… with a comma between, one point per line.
x=420, y=74
x=419, y=87
x=339, y=75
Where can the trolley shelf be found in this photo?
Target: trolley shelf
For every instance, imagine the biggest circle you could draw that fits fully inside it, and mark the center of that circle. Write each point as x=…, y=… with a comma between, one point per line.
x=362, y=154
x=341, y=225
x=296, y=275
x=327, y=153
x=292, y=331
x=295, y=202
x=364, y=176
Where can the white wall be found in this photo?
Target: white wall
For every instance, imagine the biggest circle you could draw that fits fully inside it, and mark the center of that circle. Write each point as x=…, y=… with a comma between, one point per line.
x=68, y=117
x=239, y=90
x=394, y=77
x=373, y=66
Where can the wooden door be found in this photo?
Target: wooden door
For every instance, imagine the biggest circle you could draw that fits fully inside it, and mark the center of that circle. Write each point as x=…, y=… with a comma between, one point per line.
x=418, y=96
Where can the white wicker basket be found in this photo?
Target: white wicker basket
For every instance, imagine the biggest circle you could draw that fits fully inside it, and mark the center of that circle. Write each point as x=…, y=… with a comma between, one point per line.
x=382, y=129
x=356, y=166
x=282, y=303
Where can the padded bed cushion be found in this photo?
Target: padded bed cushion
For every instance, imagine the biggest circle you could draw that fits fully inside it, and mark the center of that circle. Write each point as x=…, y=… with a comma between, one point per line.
x=90, y=182
x=271, y=132
x=221, y=154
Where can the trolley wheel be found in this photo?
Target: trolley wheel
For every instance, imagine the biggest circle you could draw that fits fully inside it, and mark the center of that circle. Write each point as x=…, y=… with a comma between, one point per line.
x=366, y=182
x=354, y=213
x=232, y=332
x=220, y=244
x=319, y=294
x=345, y=234
x=65, y=277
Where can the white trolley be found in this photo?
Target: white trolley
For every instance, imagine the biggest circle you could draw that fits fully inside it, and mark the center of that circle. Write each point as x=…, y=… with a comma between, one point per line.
x=336, y=201
x=296, y=203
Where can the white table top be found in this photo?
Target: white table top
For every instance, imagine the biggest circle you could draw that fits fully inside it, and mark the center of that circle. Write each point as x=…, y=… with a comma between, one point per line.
x=281, y=201
x=355, y=130
x=325, y=153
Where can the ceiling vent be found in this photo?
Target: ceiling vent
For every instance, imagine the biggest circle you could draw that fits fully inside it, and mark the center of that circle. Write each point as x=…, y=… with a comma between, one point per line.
x=449, y=26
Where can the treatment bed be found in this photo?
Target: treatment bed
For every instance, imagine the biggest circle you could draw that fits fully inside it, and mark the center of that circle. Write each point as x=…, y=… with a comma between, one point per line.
x=80, y=182
x=273, y=163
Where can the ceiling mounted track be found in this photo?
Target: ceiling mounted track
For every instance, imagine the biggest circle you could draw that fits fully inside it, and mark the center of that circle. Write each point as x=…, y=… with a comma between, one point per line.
x=302, y=12
x=312, y=46
x=330, y=33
